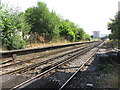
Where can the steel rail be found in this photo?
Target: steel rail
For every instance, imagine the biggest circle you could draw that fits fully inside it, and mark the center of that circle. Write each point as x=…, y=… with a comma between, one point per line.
x=47, y=71
x=74, y=74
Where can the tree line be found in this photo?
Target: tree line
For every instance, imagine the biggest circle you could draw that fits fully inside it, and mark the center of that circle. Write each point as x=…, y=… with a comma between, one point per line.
x=17, y=27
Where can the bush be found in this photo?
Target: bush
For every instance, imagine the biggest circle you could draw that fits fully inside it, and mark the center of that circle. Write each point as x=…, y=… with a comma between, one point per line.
x=14, y=29
x=17, y=42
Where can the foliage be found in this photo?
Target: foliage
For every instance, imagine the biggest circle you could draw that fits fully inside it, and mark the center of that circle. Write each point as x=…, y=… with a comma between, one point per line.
x=109, y=71
x=42, y=20
x=66, y=30
x=13, y=28
x=40, y=24
x=71, y=32
x=91, y=36
x=114, y=26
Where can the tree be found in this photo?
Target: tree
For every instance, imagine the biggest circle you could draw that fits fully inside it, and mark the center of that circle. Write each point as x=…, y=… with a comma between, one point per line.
x=110, y=36
x=42, y=20
x=66, y=30
x=91, y=36
x=114, y=26
x=13, y=28
x=71, y=31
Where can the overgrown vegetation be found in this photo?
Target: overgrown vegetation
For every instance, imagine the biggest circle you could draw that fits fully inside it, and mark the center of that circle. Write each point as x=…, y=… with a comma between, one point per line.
x=36, y=24
x=109, y=68
x=114, y=26
x=13, y=28
x=109, y=76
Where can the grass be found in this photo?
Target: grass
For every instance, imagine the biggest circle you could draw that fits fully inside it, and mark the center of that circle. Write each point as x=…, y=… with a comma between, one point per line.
x=109, y=71
x=109, y=81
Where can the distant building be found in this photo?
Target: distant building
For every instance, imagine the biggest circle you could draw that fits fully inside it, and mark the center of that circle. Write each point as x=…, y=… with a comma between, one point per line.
x=96, y=34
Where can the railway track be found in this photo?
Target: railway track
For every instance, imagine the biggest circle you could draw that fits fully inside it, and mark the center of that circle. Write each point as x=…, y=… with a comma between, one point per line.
x=41, y=55
x=32, y=56
x=15, y=55
x=49, y=68
x=21, y=65
x=78, y=70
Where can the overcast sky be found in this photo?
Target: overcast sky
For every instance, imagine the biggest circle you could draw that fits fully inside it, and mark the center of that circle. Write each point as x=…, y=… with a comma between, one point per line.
x=91, y=15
